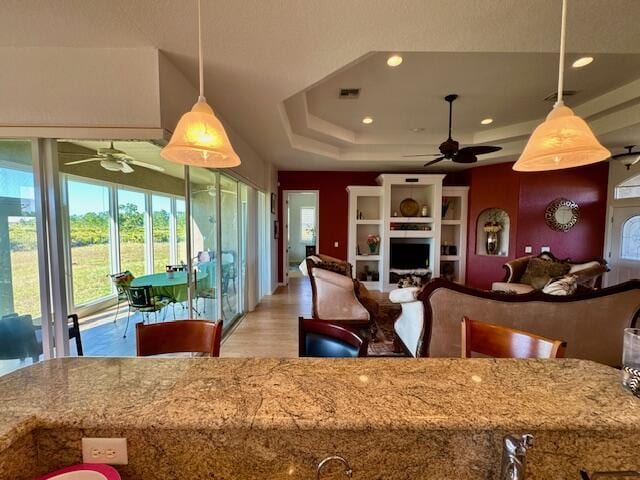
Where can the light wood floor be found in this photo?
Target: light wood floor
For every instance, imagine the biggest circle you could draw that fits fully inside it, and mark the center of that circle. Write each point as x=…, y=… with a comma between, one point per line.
x=272, y=329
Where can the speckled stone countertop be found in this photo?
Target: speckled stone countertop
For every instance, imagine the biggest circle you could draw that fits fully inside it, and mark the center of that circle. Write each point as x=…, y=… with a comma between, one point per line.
x=202, y=393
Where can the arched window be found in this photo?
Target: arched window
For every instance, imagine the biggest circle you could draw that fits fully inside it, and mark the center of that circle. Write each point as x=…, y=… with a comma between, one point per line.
x=630, y=188
x=631, y=239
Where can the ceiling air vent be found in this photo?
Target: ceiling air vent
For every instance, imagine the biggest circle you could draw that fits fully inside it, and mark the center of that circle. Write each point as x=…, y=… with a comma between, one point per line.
x=349, y=93
x=553, y=97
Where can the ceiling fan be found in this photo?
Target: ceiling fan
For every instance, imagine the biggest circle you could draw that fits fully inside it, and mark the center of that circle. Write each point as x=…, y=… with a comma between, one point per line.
x=628, y=158
x=450, y=149
x=114, y=160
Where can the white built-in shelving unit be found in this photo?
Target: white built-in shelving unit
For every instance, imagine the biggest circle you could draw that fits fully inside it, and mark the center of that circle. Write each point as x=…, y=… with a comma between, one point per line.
x=454, y=232
x=365, y=202
x=376, y=210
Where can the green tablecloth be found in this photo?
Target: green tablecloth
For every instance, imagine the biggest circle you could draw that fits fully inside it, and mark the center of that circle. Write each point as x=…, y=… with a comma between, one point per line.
x=174, y=288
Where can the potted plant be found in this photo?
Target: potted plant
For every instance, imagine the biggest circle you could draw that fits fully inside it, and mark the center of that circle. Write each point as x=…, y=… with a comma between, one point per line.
x=373, y=241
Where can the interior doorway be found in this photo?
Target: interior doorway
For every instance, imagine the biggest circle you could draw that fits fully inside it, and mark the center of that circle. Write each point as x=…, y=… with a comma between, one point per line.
x=300, y=229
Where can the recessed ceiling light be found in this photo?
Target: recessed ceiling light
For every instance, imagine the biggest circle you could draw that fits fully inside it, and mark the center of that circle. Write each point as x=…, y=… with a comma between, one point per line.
x=367, y=120
x=417, y=129
x=486, y=121
x=582, y=62
x=394, y=60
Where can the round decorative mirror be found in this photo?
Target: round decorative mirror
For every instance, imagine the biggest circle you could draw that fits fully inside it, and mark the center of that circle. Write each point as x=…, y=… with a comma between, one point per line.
x=562, y=214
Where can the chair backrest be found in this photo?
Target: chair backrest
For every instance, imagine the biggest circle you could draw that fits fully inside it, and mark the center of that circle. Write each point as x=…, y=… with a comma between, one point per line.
x=121, y=280
x=182, y=336
x=74, y=332
x=318, y=338
x=502, y=342
x=177, y=268
x=140, y=297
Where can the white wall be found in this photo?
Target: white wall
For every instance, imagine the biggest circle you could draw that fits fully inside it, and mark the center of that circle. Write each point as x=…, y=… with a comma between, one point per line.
x=79, y=87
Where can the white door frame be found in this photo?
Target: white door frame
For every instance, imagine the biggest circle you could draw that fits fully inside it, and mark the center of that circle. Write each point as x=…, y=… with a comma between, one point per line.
x=285, y=229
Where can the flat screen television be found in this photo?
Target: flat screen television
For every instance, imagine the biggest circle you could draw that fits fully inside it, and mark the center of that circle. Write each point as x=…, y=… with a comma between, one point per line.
x=408, y=256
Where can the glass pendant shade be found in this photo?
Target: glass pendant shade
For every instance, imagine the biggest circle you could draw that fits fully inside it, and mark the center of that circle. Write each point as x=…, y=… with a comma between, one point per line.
x=563, y=140
x=200, y=140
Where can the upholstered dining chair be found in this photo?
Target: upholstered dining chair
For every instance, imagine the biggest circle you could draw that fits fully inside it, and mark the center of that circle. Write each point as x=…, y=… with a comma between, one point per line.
x=502, y=342
x=319, y=338
x=181, y=336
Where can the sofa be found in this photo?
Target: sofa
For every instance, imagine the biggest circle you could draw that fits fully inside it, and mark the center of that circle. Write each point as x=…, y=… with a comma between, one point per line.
x=592, y=322
x=519, y=279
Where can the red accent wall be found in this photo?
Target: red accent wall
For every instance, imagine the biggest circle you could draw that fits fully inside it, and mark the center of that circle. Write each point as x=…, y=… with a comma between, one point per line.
x=525, y=197
x=334, y=206
x=495, y=186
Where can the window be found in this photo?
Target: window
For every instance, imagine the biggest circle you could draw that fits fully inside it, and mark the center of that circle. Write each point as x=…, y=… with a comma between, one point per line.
x=181, y=232
x=131, y=227
x=307, y=224
x=631, y=239
x=630, y=188
x=161, y=232
x=90, y=240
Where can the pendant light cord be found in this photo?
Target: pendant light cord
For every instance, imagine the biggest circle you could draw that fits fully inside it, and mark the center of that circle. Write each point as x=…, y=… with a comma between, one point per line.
x=200, y=63
x=563, y=33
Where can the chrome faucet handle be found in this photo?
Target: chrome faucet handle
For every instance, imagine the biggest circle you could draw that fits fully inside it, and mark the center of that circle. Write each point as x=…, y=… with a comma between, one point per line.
x=514, y=456
x=584, y=475
x=348, y=471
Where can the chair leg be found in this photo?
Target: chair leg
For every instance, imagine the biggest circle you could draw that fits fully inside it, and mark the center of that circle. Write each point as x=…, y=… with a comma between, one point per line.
x=115, y=319
x=173, y=307
x=155, y=316
x=127, y=326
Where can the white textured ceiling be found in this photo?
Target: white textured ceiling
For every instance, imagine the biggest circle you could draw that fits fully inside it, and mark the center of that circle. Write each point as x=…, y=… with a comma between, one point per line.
x=260, y=52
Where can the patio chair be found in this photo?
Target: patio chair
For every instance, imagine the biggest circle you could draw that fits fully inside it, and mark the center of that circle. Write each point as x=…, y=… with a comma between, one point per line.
x=177, y=268
x=141, y=299
x=121, y=281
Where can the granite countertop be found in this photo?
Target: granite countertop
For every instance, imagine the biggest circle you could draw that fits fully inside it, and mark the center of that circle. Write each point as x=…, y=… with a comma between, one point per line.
x=205, y=393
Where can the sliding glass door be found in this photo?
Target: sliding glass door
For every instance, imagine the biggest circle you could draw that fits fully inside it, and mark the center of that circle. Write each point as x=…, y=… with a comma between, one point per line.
x=161, y=232
x=230, y=248
x=20, y=309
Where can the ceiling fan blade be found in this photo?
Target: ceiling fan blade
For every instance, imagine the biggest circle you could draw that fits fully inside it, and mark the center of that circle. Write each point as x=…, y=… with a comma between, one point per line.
x=147, y=165
x=423, y=155
x=125, y=167
x=479, y=149
x=86, y=160
x=74, y=154
x=465, y=157
x=433, y=162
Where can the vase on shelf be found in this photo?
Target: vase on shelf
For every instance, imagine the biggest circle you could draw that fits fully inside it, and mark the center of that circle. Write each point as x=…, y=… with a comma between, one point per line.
x=493, y=243
x=492, y=229
x=373, y=248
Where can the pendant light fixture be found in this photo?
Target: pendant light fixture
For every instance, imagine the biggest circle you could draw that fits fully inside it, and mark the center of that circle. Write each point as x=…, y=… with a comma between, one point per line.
x=563, y=140
x=199, y=138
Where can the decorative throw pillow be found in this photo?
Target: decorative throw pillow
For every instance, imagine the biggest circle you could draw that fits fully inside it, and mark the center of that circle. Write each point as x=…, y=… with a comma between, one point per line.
x=540, y=268
x=564, y=286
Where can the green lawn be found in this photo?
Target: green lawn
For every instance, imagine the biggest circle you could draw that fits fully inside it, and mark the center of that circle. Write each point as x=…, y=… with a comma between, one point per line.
x=90, y=266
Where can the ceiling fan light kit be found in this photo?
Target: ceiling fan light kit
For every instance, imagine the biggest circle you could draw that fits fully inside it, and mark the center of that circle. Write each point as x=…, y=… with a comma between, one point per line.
x=563, y=140
x=199, y=138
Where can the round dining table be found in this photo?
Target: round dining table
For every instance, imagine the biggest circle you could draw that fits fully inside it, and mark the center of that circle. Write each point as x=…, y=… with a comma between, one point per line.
x=174, y=288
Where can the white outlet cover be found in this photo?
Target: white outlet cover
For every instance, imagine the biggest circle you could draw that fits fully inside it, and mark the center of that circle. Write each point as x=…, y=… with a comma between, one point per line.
x=545, y=249
x=112, y=451
x=528, y=249
x=335, y=244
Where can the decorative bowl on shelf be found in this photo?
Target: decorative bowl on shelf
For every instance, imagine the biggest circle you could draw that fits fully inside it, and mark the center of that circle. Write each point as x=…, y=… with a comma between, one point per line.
x=409, y=207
